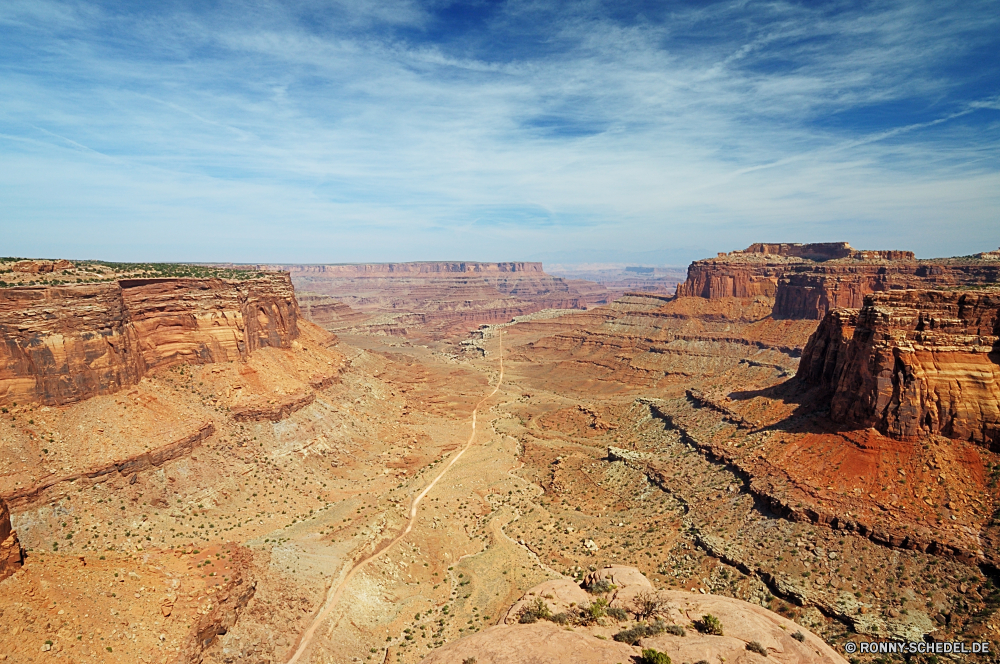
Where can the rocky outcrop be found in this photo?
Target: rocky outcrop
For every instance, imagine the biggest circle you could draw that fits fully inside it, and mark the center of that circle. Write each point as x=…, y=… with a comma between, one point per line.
x=36, y=267
x=125, y=467
x=716, y=278
x=278, y=409
x=757, y=270
x=11, y=554
x=913, y=363
x=59, y=345
x=327, y=312
x=225, y=609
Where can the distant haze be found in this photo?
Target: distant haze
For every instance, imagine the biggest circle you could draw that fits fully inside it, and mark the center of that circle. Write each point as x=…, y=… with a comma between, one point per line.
x=569, y=133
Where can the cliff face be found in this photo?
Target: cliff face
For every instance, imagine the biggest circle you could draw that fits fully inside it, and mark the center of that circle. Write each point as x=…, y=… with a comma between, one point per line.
x=917, y=362
x=715, y=278
x=756, y=270
x=59, y=345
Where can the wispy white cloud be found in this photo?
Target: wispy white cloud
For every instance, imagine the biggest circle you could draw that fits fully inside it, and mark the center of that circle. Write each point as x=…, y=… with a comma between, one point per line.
x=270, y=131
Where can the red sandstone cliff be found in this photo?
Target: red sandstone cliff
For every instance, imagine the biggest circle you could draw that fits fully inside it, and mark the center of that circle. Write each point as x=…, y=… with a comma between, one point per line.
x=60, y=345
x=420, y=267
x=913, y=363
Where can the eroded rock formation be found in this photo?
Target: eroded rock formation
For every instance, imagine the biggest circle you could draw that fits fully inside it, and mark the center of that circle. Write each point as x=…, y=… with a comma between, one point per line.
x=11, y=554
x=67, y=343
x=913, y=363
x=810, y=292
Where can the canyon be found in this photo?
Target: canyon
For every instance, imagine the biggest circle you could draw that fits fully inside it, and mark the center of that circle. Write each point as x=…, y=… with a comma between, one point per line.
x=196, y=459
x=437, y=299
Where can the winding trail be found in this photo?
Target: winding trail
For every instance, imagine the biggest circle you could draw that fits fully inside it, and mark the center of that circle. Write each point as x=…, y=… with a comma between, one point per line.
x=335, y=592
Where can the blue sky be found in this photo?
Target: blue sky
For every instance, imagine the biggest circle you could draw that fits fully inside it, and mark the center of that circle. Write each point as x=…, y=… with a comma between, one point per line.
x=536, y=130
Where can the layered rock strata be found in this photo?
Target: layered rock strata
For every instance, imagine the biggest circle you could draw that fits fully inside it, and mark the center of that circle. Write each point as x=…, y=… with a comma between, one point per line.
x=912, y=364
x=329, y=313
x=64, y=344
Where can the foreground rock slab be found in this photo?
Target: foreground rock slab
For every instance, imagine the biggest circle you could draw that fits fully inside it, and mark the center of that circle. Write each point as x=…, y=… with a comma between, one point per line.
x=743, y=626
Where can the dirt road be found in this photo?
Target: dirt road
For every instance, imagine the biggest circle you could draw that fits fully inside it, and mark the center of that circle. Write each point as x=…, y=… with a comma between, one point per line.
x=333, y=597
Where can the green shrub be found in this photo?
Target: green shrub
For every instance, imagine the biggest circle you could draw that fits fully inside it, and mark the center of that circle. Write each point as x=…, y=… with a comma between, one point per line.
x=650, y=656
x=617, y=614
x=632, y=635
x=537, y=610
x=676, y=630
x=799, y=636
x=709, y=624
x=755, y=646
x=594, y=611
x=561, y=618
x=599, y=587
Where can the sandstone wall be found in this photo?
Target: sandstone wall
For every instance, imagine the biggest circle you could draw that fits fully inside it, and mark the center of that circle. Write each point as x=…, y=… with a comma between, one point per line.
x=435, y=299
x=913, y=363
x=60, y=345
